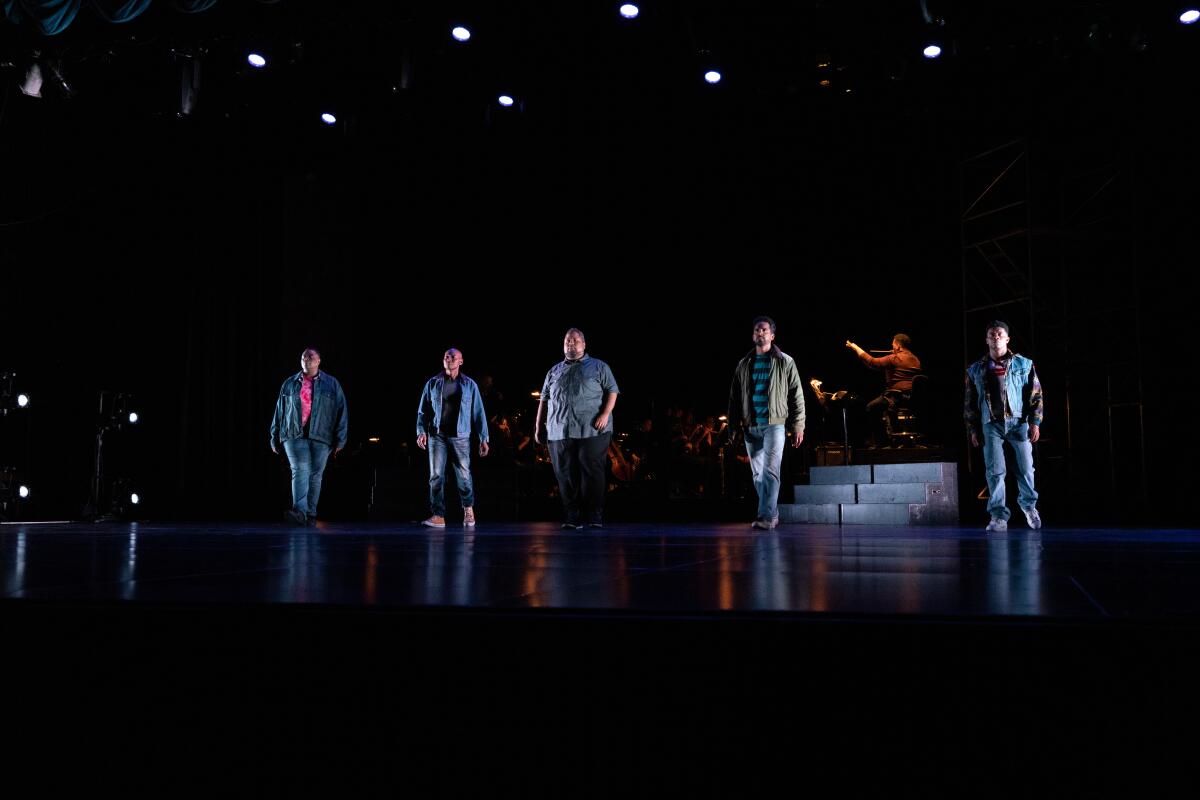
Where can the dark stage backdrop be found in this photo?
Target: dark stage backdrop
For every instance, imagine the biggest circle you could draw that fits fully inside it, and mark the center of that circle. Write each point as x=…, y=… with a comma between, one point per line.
x=189, y=261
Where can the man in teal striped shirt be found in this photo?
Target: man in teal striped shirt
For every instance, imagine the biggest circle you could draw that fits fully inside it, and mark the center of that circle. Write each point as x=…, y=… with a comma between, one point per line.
x=768, y=402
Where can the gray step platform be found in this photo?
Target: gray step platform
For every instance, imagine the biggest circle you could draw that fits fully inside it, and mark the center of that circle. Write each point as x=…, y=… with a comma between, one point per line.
x=878, y=494
x=826, y=493
x=825, y=513
x=855, y=473
x=932, y=472
x=876, y=514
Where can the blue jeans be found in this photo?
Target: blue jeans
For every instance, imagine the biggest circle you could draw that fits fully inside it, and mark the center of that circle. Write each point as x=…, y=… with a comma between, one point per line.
x=307, y=457
x=1016, y=433
x=441, y=448
x=764, y=445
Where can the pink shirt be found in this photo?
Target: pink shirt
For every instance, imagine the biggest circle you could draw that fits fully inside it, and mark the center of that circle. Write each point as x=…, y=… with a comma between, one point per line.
x=305, y=400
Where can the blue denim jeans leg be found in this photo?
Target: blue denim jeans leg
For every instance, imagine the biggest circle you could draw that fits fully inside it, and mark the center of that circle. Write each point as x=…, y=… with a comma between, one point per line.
x=307, y=457
x=457, y=450
x=764, y=445
x=1016, y=433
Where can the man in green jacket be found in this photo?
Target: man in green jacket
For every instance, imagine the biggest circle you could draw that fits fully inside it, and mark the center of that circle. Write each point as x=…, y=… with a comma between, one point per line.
x=767, y=402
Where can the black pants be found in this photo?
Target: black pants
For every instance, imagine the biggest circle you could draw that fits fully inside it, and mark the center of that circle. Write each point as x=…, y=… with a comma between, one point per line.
x=881, y=413
x=581, y=468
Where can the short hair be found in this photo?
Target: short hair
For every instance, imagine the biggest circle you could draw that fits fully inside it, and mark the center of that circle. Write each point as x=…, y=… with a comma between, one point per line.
x=574, y=330
x=767, y=320
x=903, y=339
x=312, y=350
x=997, y=323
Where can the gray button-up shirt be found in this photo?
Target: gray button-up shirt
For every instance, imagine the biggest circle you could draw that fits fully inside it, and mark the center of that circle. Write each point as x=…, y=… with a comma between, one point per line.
x=574, y=392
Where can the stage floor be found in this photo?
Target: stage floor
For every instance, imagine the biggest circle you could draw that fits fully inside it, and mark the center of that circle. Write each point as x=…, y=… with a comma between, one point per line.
x=687, y=658
x=652, y=569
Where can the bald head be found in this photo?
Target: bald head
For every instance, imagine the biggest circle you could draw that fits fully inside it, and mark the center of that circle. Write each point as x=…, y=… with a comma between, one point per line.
x=452, y=361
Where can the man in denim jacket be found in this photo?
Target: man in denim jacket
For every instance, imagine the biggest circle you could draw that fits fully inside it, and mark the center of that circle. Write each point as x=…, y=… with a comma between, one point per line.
x=451, y=406
x=1004, y=404
x=310, y=420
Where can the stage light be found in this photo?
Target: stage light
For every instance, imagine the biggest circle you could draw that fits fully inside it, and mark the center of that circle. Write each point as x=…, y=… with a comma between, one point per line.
x=505, y=100
x=1189, y=16
x=256, y=61
x=115, y=411
x=125, y=503
x=328, y=118
x=54, y=73
x=31, y=81
x=108, y=498
x=712, y=76
x=10, y=398
x=12, y=491
x=630, y=11
x=932, y=51
x=189, y=63
x=37, y=72
x=460, y=33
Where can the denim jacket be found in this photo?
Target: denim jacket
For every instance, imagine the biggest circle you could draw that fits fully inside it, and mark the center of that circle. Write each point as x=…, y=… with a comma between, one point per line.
x=429, y=410
x=327, y=422
x=1022, y=390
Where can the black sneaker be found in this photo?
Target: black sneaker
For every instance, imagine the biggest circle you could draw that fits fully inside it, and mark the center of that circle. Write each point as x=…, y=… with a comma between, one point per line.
x=572, y=526
x=293, y=516
x=595, y=525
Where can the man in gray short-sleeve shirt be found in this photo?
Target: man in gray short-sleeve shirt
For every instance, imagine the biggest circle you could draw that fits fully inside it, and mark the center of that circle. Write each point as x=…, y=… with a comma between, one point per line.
x=574, y=418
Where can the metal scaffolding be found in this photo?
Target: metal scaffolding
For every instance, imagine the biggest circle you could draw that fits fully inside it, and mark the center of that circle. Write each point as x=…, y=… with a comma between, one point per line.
x=1084, y=305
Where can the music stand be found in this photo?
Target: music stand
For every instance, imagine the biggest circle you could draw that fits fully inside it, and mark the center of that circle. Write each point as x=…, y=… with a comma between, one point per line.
x=838, y=401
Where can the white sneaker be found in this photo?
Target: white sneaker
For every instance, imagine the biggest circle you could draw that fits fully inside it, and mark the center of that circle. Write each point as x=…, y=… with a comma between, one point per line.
x=997, y=524
x=468, y=518
x=1034, y=518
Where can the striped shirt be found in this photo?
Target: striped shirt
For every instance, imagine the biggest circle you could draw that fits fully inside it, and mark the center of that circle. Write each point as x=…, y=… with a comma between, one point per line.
x=759, y=399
